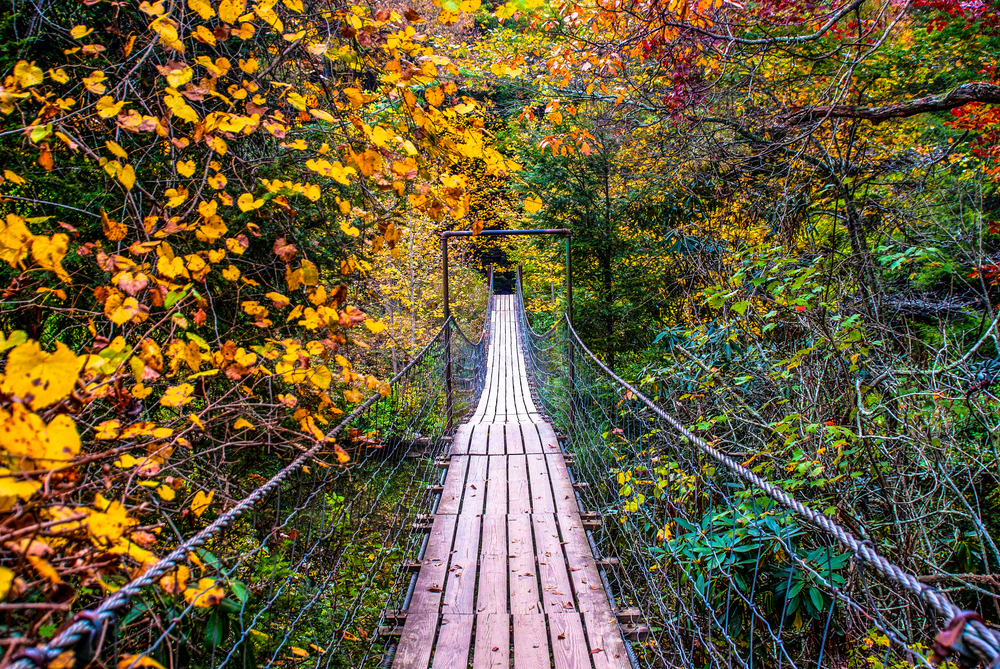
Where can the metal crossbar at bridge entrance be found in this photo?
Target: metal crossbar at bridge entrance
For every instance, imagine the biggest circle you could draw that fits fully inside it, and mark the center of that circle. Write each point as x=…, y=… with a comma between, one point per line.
x=625, y=540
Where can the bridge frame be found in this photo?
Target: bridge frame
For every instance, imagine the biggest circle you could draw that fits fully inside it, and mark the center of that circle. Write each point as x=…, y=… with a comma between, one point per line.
x=448, y=234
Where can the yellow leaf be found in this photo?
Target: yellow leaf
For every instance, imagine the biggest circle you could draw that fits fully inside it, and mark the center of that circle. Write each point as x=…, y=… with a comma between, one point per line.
x=352, y=396
x=28, y=74
x=44, y=569
x=116, y=149
x=204, y=35
x=203, y=7
x=79, y=32
x=6, y=580
x=166, y=492
x=15, y=240
x=375, y=326
x=139, y=660
x=231, y=273
x=48, y=377
x=205, y=594
x=310, y=274
x=48, y=252
x=231, y=10
x=127, y=177
x=201, y=502
x=355, y=97
x=13, y=178
x=434, y=96
x=175, y=583
x=294, y=37
x=298, y=652
x=185, y=168
x=246, y=202
x=108, y=429
x=242, y=423
x=120, y=309
x=532, y=204
x=342, y=456
x=177, y=395
x=321, y=377
x=107, y=107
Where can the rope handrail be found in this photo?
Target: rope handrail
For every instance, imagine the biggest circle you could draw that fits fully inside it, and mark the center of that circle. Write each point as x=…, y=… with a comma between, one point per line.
x=983, y=641
x=88, y=629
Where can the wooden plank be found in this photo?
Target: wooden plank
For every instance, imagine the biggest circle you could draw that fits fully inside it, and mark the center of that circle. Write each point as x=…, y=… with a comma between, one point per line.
x=557, y=593
x=583, y=574
x=460, y=442
x=521, y=564
x=531, y=641
x=492, y=597
x=433, y=567
x=417, y=641
x=607, y=649
x=532, y=442
x=541, y=490
x=496, y=486
x=454, y=642
x=562, y=486
x=492, y=641
x=460, y=592
x=569, y=647
x=496, y=444
x=550, y=444
x=474, y=494
x=480, y=440
x=515, y=443
x=454, y=484
x=518, y=492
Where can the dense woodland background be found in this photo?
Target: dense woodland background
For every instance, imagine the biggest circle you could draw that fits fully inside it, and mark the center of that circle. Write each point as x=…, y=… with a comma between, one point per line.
x=219, y=234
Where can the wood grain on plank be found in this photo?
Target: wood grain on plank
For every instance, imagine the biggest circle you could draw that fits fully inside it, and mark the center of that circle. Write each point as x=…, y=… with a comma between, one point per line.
x=531, y=641
x=454, y=642
x=434, y=566
x=492, y=641
x=583, y=574
x=496, y=485
x=417, y=641
x=607, y=649
x=518, y=492
x=521, y=564
x=496, y=441
x=479, y=444
x=454, y=484
x=541, y=489
x=557, y=593
x=460, y=591
x=569, y=646
x=474, y=495
x=492, y=595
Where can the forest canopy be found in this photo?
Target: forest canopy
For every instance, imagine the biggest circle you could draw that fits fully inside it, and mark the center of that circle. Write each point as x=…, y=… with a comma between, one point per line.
x=220, y=235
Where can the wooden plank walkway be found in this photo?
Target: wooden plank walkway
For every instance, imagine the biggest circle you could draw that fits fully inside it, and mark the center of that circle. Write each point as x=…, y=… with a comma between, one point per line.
x=508, y=578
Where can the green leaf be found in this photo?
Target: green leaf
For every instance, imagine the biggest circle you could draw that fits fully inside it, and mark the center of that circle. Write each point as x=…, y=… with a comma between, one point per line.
x=216, y=628
x=740, y=307
x=816, y=597
x=240, y=590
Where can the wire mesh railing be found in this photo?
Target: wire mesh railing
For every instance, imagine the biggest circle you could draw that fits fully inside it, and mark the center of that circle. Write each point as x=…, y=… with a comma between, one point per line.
x=302, y=568
x=725, y=568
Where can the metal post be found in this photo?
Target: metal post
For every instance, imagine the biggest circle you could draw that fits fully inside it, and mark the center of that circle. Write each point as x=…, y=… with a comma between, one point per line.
x=571, y=363
x=449, y=406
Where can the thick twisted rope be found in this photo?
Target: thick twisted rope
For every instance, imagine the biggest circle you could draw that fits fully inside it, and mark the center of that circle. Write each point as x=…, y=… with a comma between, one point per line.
x=983, y=642
x=88, y=627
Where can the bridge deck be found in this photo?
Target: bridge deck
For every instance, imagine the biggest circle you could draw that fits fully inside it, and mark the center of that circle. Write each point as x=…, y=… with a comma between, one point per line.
x=508, y=571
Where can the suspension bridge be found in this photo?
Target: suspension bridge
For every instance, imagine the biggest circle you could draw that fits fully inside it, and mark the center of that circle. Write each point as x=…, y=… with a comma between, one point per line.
x=621, y=540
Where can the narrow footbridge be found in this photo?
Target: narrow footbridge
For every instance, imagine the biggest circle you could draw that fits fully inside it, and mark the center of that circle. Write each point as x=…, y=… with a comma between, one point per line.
x=508, y=571
x=568, y=521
